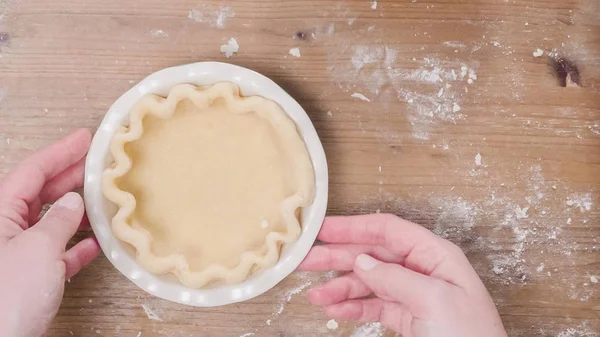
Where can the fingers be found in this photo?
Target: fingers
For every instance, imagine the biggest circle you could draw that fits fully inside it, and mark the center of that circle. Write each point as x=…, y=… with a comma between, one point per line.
x=339, y=289
x=80, y=255
x=393, y=282
x=62, y=220
x=375, y=229
x=392, y=315
x=422, y=251
x=35, y=208
x=66, y=181
x=28, y=178
x=342, y=256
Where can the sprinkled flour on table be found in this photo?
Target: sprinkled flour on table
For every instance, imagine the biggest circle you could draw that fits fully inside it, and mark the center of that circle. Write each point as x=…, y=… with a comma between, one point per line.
x=582, y=330
x=433, y=89
x=369, y=330
x=212, y=15
x=287, y=296
x=150, y=313
x=581, y=201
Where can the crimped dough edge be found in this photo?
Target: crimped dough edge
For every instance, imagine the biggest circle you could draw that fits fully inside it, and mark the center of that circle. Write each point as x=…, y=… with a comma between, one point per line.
x=177, y=263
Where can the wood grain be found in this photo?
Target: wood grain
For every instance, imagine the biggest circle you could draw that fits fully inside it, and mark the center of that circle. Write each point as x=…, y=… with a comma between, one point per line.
x=63, y=63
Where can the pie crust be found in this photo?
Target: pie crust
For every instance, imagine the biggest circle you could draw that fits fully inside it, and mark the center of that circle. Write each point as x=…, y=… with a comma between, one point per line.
x=209, y=184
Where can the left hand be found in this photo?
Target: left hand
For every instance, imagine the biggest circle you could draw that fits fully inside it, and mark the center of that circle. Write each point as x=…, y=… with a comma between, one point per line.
x=33, y=262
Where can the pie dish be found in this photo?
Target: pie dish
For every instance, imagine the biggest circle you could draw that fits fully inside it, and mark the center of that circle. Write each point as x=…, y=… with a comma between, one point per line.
x=100, y=210
x=209, y=184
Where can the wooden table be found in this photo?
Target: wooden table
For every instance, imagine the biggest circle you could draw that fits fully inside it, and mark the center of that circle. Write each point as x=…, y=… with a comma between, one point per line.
x=444, y=112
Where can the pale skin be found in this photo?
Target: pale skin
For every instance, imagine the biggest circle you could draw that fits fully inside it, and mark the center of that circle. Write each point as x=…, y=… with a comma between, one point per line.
x=399, y=273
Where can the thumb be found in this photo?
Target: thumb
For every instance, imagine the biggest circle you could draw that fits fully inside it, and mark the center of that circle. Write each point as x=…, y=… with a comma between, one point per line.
x=62, y=220
x=396, y=283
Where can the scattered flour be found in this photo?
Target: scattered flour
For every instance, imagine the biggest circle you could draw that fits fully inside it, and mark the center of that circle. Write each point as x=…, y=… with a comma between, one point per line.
x=360, y=96
x=582, y=330
x=295, y=52
x=456, y=217
x=158, y=33
x=369, y=330
x=287, y=297
x=454, y=44
x=212, y=15
x=5, y=7
x=151, y=314
x=521, y=213
x=230, y=48
x=332, y=324
x=581, y=201
x=443, y=86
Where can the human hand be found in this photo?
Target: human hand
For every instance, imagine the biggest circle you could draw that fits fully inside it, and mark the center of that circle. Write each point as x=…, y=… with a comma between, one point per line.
x=424, y=286
x=33, y=261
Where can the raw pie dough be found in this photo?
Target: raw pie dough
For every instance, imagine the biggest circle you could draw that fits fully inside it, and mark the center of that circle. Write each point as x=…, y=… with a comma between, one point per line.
x=209, y=184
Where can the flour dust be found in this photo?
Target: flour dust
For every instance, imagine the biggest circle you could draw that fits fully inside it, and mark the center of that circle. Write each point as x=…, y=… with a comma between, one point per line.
x=211, y=15
x=433, y=89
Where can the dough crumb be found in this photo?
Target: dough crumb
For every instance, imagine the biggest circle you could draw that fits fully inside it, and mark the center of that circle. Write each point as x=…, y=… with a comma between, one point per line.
x=264, y=224
x=478, y=159
x=230, y=48
x=329, y=113
x=159, y=33
x=332, y=324
x=247, y=334
x=538, y=53
x=295, y=52
x=360, y=96
x=455, y=107
x=594, y=279
x=540, y=268
x=373, y=7
x=268, y=322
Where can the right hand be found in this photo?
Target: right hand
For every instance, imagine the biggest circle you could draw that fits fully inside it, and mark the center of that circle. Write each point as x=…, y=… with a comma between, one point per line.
x=424, y=286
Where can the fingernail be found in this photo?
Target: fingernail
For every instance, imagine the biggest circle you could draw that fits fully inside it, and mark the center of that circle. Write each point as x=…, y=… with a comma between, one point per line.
x=365, y=262
x=70, y=200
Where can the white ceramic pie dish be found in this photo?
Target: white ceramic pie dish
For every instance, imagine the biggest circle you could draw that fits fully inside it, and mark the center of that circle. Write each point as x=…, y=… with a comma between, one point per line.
x=100, y=210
